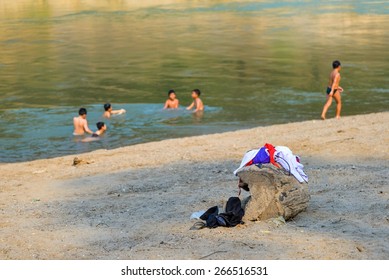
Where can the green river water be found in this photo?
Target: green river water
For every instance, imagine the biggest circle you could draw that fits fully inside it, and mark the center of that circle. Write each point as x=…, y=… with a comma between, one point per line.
x=256, y=62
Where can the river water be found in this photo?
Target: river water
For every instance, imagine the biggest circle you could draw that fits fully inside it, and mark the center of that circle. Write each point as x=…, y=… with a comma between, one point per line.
x=256, y=62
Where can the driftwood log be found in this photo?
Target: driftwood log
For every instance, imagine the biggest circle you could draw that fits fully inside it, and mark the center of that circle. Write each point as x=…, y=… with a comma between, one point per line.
x=274, y=193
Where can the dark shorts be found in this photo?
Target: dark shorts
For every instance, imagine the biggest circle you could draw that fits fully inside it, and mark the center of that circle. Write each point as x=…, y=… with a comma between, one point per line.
x=329, y=90
x=94, y=135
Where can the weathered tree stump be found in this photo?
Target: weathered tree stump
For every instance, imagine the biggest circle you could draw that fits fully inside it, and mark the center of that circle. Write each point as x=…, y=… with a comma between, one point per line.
x=273, y=192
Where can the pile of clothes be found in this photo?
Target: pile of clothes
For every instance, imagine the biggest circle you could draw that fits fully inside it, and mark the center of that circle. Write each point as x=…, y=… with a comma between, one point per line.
x=212, y=218
x=279, y=156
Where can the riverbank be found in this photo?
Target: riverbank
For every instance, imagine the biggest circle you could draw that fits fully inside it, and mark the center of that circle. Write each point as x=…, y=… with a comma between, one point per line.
x=135, y=202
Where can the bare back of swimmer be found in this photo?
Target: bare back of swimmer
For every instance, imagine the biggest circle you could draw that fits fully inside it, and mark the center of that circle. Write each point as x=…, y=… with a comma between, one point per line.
x=81, y=124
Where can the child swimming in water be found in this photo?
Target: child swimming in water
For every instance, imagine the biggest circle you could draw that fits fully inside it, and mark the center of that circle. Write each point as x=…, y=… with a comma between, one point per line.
x=197, y=103
x=172, y=102
x=109, y=111
x=81, y=124
x=101, y=128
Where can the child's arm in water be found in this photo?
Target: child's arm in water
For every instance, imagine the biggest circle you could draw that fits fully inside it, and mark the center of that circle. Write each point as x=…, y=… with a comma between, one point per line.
x=118, y=112
x=90, y=139
x=166, y=105
x=190, y=107
x=86, y=128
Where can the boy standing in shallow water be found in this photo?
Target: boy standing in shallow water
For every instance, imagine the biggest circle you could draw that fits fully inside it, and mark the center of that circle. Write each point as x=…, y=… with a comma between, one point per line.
x=172, y=102
x=81, y=124
x=197, y=103
x=333, y=90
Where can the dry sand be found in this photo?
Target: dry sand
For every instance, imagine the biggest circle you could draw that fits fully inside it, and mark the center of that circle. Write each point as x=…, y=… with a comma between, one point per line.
x=135, y=202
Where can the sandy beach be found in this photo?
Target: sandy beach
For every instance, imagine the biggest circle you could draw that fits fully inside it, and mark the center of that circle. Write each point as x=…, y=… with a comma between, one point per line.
x=135, y=202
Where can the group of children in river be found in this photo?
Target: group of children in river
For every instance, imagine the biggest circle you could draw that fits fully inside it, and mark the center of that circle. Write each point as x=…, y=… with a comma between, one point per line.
x=81, y=124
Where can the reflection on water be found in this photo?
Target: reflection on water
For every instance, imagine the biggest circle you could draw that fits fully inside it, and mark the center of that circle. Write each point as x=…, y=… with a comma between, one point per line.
x=262, y=62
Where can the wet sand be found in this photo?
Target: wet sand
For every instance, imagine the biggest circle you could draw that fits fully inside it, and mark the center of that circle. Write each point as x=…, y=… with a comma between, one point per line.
x=135, y=202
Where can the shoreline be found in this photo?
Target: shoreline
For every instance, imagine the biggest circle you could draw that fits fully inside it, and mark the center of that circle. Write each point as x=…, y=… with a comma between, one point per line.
x=114, y=147
x=217, y=134
x=134, y=202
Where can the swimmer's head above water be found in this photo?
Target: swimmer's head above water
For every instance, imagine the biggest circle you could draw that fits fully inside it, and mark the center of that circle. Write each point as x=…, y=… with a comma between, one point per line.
x=82, y=112
x=107, y=107
x=336, y=64
x=171, y=94
x=101, y=126
x=196, y=93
